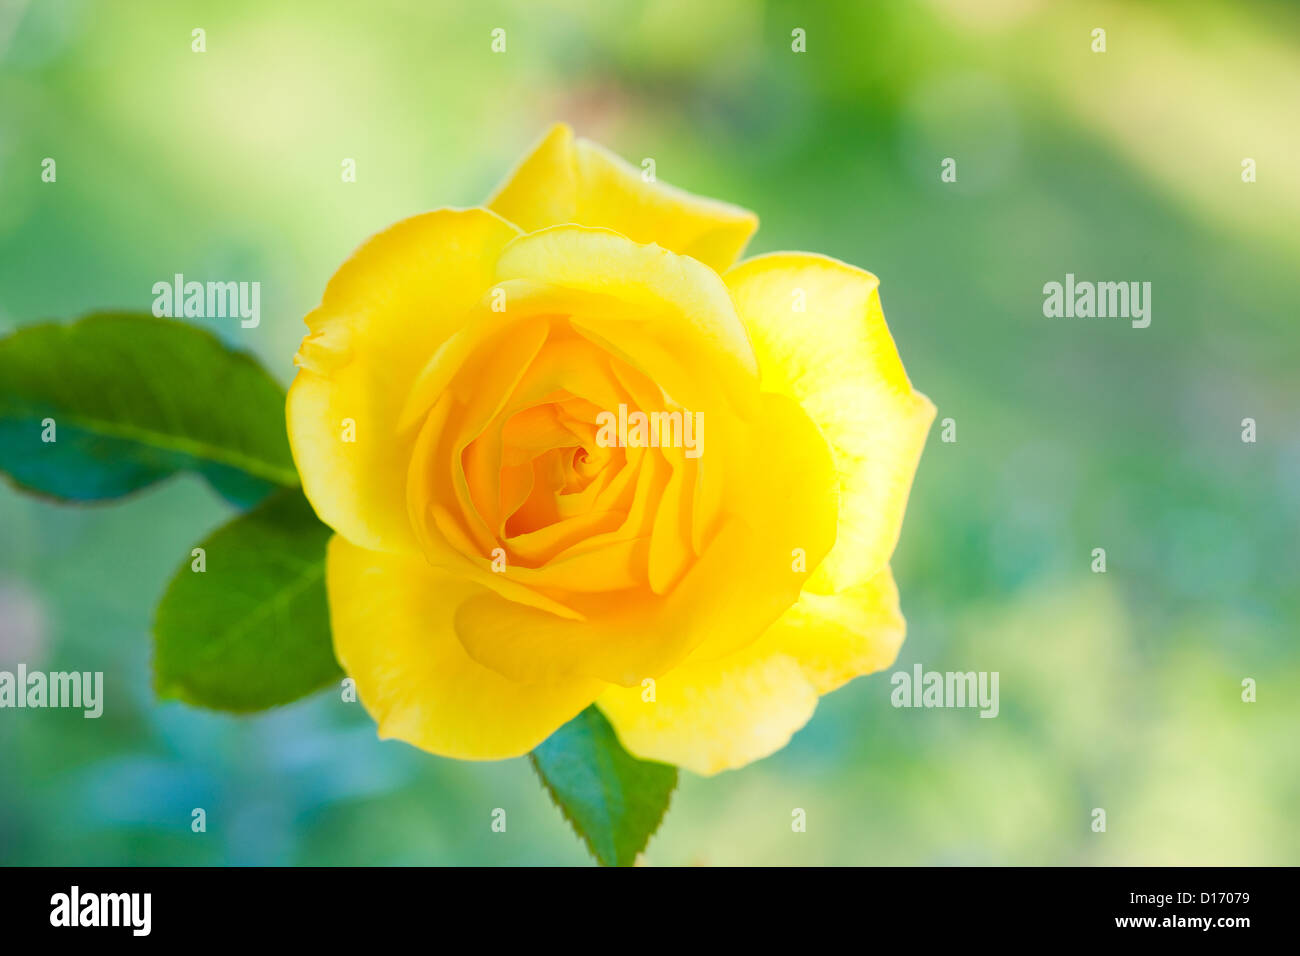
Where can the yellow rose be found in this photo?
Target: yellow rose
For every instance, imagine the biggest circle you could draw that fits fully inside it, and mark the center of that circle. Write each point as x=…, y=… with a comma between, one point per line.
x=505, y=555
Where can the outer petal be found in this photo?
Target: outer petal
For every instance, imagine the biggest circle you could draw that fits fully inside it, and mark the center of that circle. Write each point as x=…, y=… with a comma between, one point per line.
x=710, y=715
x=662, y=313
x=838, y=360
x=838, y=637
x=382, y=317
x=391, y=617
x=716, y=716
x=565, y=180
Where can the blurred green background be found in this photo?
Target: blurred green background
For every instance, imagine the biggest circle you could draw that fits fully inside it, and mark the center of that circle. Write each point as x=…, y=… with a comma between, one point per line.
x=1119, y=690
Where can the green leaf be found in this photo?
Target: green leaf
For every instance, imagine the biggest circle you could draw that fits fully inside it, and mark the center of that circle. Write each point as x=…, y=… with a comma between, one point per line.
x=133, y=400
x=614, y=801
x=252, y=630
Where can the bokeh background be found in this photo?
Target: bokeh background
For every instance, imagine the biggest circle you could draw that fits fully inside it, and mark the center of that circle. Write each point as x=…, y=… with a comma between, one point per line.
x=1119, y=690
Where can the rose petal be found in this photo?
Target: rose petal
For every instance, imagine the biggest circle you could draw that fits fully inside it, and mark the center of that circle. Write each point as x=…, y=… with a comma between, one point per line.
x=713, y=714
x=389, y=307
x=392, y=622
x=838, y=360
x=564, y=180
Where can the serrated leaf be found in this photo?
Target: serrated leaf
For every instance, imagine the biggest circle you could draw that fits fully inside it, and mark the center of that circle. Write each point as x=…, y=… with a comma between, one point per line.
x=614, y=801
x=134, y=399
x=252, y=630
